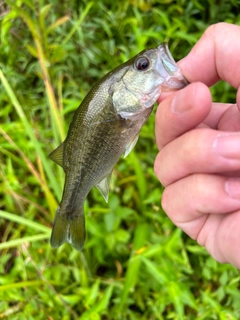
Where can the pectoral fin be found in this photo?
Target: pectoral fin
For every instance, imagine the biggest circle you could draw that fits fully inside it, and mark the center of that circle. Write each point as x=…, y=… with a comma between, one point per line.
x=103, y=186
x=57, y=155
x=130, y=146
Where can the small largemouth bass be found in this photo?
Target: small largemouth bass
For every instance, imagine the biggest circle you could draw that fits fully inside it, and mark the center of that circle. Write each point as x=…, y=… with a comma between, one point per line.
x=105, y=126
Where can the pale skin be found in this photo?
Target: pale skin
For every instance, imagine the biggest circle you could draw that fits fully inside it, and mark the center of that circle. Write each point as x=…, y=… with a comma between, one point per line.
x=199, y=143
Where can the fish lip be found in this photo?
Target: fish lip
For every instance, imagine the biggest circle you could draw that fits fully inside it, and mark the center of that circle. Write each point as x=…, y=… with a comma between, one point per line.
x=168, y=70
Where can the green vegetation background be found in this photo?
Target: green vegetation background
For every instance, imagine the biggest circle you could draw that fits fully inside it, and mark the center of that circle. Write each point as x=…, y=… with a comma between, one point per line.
x=135, y=264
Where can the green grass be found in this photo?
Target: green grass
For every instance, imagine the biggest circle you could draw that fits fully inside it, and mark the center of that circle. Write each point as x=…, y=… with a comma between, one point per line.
x=136, y=264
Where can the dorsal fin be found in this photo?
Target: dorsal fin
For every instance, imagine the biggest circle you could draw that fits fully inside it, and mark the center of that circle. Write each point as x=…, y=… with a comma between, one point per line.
x=57, y=155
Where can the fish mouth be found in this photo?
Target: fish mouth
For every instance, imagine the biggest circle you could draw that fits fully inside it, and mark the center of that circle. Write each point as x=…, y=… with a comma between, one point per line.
x=169, y=71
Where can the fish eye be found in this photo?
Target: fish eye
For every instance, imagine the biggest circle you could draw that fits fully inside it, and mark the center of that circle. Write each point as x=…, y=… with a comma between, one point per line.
x=142, y=63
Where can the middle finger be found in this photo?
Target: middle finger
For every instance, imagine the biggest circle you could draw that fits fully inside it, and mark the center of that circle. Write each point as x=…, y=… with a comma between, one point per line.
x=198, y=151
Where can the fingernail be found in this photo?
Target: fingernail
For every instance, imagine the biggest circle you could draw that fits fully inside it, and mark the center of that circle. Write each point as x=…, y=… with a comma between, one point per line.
x=179, y=103
x=228, y=145
x=232, y=187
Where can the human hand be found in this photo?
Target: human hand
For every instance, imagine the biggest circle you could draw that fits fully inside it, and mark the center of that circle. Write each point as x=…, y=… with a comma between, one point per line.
x=199, y=143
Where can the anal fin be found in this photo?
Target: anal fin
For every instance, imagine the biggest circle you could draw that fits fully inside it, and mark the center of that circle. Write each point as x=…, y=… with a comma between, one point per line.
x=103, y=186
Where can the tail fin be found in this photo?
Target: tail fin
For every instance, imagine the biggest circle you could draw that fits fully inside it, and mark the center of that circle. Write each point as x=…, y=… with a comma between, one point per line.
x=68, y=229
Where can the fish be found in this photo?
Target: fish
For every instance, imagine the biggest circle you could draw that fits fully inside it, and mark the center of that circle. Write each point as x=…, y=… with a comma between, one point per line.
x=104, y=127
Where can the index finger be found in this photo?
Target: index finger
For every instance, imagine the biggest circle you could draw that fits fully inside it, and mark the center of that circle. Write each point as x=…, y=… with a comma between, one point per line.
x=215, y=56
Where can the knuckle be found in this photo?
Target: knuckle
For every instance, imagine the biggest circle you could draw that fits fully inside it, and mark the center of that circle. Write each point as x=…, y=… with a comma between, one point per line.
x=166, y=201
x=214, y=29
x=195, y=144
x=198, y=192
x=157, y=169
x=197, y=184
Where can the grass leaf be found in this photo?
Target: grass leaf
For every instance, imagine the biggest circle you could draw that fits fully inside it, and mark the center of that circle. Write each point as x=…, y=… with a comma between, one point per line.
x=23, y=221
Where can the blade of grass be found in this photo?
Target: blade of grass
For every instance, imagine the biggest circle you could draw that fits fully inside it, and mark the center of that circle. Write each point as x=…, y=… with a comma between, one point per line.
x=78, y=23
x=40, y=177
x=100, y=307
x=155, y=271
x=140, y=178
x=103, y=304
x=55, y=185
x=57, y=23
x=17, y=242
x=57, y=120
x=31, y=224
x=134, y=263
x=25, y=284
x=38, y=32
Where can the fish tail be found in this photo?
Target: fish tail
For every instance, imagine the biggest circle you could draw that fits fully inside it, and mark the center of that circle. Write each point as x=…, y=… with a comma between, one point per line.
x=68, y=228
